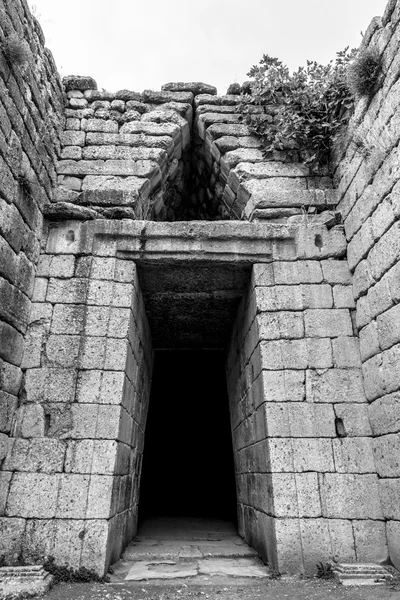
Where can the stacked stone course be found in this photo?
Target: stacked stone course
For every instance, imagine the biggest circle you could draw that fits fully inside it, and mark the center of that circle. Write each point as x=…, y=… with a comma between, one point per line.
x=306, y=481
x=31, y=119
x=368, y=181
x=72, y=471
x=174, y=155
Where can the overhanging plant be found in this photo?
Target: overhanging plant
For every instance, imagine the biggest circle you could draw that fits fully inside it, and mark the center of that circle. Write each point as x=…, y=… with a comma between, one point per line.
x=299, y=112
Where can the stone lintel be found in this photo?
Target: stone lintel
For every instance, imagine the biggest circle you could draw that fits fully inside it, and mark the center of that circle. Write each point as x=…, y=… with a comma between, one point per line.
x=195, y=241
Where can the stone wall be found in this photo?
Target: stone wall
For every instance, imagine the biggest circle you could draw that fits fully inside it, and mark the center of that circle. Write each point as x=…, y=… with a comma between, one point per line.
x=368, y=180
x=307, y=490
x=175, y=155
x=70, y=480
x=31, y=115
x=316, y=456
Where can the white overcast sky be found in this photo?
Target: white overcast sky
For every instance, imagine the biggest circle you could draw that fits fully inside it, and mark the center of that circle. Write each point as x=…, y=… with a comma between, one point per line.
x=139, y=45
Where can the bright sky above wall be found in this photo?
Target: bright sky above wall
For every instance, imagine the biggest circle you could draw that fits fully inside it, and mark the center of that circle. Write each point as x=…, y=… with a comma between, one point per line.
x=140, y=45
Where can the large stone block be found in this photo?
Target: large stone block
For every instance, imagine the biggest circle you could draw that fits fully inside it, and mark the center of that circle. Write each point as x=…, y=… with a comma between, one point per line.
x=342, y=540
x=386, y=453
x=308, y=498
x=73, y=496
x=336, y=272
x=393, y=540
x=30, y=421
x=41, y=455
x=327, y=323
x=370, y=541
x=281, y=386
x=50, y=385
x=72, y=291
x=388, y=326
x=33, y=495
x=353, y=455
x=62, y=350
x=272, y=326
x=8, y=408
x=110, y=419
x=38, y=540
x=83, y=421
x=312, y=455
x=68, y=319
x=296, y=354
x=289, y=297
x=343, y=296
x=99, y=503
x=92, y=352
x=116, y=351
x=369, y=342
x=11, y=535
x=10, y=378
x=384, y=414
x=346, y=352
x=315, y=542
x=289, y=552
x=350, y=496
x=385, y=252
x=11, y=344
x=355, y=419
x=68, y=540
x=94, y=547
x=379, y=297
x=5, y=479
x=390, y=494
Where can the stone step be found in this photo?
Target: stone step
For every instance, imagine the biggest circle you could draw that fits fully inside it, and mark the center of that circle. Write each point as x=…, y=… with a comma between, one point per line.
x=187, y=552
x=169, y=569
x=361, y=574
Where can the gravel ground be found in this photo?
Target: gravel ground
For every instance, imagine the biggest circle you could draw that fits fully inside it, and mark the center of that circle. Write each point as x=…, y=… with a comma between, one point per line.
x=220, y=588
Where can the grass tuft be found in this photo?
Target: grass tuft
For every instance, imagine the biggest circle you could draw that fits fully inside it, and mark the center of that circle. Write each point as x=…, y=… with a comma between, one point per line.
x=363, y=73
x=16, y=50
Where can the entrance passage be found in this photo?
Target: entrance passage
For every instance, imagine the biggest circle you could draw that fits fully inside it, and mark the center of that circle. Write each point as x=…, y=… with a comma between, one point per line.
x=188, y=467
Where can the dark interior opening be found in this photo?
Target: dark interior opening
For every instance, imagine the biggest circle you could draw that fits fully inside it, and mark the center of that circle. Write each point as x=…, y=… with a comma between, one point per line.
x=188, y=467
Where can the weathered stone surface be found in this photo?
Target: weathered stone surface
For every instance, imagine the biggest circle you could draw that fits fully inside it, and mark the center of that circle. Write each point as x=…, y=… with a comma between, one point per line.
x=138, y=168
x=35, y=455
x=111, y=190
x=195, y=88
x=350, y=496
x=166, y=96
x=79, y=82
x=335, y=385
x=33, y=495
x=64, y=211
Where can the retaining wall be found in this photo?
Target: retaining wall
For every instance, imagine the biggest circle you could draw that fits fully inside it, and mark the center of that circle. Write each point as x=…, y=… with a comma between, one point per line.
x=368, y=182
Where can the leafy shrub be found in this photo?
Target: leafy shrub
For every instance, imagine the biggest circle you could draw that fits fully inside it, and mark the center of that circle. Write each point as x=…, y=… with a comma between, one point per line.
x=299, y=112
x=16, y=50
x=363, y=73
x=325, y=571
x=68, y=574
x=234, y=89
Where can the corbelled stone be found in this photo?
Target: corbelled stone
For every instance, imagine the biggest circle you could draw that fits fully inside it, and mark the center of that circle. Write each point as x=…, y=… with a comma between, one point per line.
x=195, y=88
x=79, y=82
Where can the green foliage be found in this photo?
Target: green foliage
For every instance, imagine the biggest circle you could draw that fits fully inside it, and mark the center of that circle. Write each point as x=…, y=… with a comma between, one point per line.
x=325, y=571
x=363, y=73
x=16, y=50
x=68, y=574
x=299, y=113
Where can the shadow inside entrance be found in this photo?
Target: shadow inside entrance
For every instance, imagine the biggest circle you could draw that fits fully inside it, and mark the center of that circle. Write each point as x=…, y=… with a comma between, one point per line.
x=188, y=468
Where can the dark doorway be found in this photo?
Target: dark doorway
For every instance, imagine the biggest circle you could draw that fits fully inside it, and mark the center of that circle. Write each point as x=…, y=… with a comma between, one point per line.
x=188, y=467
